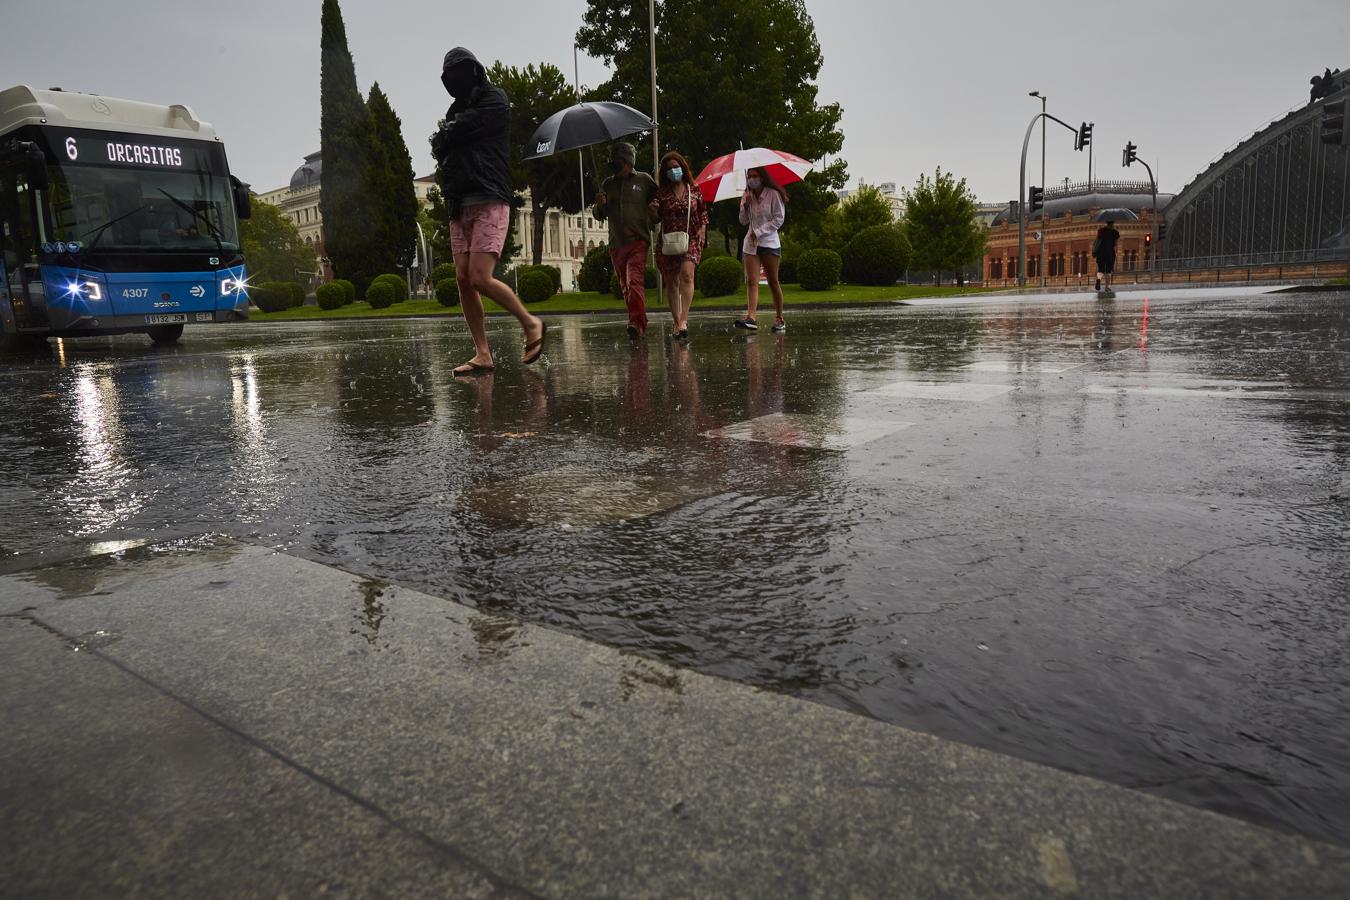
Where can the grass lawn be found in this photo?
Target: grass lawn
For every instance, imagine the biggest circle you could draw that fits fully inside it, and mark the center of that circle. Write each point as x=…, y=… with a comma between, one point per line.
x=793, y=295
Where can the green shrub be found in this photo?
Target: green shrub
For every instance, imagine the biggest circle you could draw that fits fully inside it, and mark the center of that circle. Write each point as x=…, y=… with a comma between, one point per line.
x=555, y=275
x=447, y=292
x=272, y=296
x=347, y=288
x=787, y=270
x=596, y=270
x=397, y=284
x=536, y=285
x=719, y=276
x=298, y=293
x=614, y=287
x=877, y=255
x=331, y=296
x=442, y=272
x=819, y=269
x=649, y=277
x=380, y=295
x=716, y=247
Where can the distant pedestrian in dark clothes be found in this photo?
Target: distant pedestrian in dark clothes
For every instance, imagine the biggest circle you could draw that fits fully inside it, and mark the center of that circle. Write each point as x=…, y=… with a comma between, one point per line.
x=1104, y=250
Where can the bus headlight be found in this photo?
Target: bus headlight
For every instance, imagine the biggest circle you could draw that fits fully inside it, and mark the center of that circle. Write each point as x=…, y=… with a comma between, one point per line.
x=85, y=290
x=229, y=287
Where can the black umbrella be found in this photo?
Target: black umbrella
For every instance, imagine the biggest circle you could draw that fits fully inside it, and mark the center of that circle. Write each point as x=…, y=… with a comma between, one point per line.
x=1115, y=215
x=586, y=124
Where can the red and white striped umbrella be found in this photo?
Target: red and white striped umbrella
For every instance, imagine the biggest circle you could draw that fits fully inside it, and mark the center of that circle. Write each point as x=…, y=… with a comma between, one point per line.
x=724, y=177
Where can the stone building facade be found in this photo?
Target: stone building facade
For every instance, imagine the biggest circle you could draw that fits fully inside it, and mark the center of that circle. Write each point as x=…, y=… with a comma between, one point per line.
x=1069, y=227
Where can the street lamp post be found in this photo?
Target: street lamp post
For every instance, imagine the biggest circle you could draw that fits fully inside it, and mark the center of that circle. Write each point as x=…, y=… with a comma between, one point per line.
x=1041, y=267
x=1022, y=187
x=656, y=143
x=581, y=161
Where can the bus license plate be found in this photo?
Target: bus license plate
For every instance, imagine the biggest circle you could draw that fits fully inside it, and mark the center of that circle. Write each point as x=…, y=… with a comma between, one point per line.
x=170, y=319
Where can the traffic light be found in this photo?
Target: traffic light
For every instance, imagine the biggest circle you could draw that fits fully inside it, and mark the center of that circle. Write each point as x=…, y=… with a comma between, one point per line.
x=1148, y=241
x=1162, y=230
x=1084, y=138
x=1130, y=154
x=1336, y=123
x=1037, y=199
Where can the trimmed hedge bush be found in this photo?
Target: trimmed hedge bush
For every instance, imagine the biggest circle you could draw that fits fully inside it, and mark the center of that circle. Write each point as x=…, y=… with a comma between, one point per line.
x=596, y=269
x=877, y=255
x=819, y=269
x=719, y=276
x=554, y=273
x=397, y=283
x=298, y=293
x=331, y=296
x=380, y=295
x=447, y=292
x=787, y=270
x=442, y=272
x=348, y=288
x=614, y=287
x=649, y=277
x=271, y=296
x=536, y=285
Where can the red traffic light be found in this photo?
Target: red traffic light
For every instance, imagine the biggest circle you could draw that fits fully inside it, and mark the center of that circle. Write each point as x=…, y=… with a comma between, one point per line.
x=1148, y=239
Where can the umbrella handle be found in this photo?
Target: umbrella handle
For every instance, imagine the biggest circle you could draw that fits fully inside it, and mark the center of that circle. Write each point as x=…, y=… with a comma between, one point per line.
x=595, y=171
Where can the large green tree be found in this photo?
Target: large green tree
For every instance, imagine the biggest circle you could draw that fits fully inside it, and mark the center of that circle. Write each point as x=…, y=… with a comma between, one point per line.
x=349, y=151
x=865, y=207
x=394, y=210
x=941, y=224
x=273, y=247
x=731, y=75
x=536, y=94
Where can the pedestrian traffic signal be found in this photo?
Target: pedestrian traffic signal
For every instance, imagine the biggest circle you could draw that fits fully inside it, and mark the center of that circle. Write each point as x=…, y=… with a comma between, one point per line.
x=1162, y=230
x=1336, y=123
x=1037, y=199
x=1148, y=239
x=1130, y=154
x=1084, y=138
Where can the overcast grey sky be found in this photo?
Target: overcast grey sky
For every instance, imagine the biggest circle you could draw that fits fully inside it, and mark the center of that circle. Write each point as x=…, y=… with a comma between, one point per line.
x=922, y=84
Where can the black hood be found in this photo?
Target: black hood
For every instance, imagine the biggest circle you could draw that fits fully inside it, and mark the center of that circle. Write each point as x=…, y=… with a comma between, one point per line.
x=462, y=55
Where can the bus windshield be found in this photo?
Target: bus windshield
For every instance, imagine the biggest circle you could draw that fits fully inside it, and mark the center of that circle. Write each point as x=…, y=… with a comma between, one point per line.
x=118, y=209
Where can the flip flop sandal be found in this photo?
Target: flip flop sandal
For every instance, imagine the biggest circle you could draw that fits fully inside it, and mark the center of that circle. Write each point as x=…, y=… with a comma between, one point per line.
x=471, y=368
x=535, y=349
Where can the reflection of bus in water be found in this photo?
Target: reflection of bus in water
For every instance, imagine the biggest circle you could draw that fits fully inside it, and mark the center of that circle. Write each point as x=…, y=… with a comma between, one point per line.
x=115, y=217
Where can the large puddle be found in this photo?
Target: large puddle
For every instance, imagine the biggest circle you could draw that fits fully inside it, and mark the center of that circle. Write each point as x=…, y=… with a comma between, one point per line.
x=1103, y=536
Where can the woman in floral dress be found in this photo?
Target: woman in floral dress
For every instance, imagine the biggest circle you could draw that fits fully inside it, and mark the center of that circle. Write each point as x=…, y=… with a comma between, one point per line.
x=679, y=209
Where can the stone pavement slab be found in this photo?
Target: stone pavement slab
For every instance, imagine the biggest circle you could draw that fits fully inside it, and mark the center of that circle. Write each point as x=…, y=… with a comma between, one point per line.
x=228, y=719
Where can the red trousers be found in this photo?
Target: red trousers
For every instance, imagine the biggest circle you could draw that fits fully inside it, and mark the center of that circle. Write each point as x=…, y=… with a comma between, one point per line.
x=630, y=265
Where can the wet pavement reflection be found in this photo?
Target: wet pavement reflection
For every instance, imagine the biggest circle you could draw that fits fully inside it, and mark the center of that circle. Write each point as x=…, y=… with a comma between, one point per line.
x=1111, y=537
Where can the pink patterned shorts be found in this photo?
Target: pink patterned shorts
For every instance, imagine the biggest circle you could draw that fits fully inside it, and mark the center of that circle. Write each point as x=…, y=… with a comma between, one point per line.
x=481, y=228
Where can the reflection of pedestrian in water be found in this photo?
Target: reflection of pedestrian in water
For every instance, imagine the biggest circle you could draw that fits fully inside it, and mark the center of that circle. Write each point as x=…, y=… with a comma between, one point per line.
x=1104, y=250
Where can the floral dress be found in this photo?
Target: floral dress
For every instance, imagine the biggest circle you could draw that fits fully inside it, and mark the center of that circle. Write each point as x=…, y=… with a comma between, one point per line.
x=672, y=213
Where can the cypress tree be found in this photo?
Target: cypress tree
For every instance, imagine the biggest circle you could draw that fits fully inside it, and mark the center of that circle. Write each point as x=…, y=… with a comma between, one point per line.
x=348, y=148
x=395, y=206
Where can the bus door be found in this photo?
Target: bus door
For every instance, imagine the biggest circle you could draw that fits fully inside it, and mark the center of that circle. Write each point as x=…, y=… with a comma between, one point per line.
x=21, y=235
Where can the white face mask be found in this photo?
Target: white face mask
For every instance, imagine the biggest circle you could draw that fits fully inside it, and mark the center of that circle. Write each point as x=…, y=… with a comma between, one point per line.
x=753, y=184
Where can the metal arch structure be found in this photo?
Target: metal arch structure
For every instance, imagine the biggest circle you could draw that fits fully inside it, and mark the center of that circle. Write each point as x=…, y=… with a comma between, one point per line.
x=1279, y=195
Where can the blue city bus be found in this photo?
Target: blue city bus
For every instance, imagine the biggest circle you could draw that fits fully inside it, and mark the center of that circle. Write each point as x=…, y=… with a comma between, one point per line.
x=116, y=217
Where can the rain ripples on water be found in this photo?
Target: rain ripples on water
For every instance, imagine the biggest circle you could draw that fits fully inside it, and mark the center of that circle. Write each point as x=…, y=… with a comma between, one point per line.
x=1012, y=538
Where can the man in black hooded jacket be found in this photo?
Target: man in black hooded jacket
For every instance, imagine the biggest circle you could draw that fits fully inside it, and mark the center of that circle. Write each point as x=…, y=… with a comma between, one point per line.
x=472, y=150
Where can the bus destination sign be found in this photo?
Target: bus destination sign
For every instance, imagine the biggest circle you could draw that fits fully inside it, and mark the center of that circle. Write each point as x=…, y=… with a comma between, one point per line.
x=84, y=147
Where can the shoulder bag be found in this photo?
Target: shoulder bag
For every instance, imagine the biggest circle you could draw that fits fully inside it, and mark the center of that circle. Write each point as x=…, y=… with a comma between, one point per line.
x=676, y=243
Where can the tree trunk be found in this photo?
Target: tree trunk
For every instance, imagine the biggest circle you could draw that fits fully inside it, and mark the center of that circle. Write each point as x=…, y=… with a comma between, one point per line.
x=539, y=213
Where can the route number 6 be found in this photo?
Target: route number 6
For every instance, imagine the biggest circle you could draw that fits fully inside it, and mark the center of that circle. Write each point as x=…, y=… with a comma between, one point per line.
x=71, y=150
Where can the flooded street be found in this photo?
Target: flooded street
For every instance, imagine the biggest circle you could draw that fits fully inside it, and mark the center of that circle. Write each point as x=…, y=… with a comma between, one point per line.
x=1112, y=537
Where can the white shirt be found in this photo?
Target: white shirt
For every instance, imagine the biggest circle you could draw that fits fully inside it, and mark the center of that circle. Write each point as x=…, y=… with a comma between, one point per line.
x=763, y=215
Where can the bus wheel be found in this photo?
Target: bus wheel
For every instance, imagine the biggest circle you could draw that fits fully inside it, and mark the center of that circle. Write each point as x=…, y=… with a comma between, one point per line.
x=166, y=334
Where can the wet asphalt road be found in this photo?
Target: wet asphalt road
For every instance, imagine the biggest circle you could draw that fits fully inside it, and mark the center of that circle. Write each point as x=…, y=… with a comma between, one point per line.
x=1110, y=537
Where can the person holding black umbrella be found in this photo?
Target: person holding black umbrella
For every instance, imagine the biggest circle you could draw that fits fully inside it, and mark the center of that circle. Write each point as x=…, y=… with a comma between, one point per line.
x=1104, y=251
x=472, y=150
x=625, y=200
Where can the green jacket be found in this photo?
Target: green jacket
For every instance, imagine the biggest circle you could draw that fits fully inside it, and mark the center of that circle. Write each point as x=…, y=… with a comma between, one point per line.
x=630, y=218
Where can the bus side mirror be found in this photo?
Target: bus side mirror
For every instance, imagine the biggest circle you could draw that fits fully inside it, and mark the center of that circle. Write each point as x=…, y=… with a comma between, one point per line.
x=38, y=179
x=243, y=204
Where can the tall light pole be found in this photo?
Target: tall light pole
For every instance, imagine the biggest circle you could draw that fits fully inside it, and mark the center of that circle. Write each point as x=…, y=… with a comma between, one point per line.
x=656, y=143
x=1041, y=265
x=581, y=161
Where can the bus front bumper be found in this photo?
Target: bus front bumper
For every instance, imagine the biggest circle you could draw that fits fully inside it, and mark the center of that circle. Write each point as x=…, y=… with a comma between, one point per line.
x=72, y=323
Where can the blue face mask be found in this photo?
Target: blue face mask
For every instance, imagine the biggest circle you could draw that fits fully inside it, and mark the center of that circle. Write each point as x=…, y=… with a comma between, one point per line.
x=676, y=174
